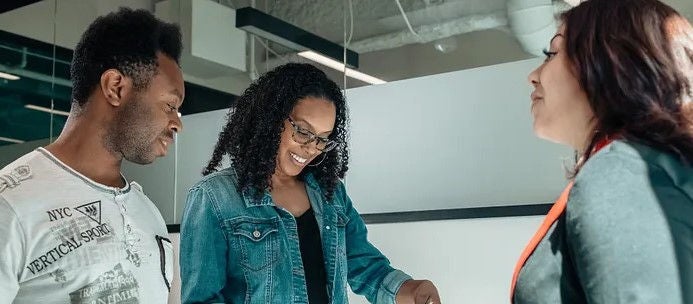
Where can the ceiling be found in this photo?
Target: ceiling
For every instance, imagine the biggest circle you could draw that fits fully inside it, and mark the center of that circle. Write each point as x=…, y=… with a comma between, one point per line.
x=375, y=18
x=453, y=34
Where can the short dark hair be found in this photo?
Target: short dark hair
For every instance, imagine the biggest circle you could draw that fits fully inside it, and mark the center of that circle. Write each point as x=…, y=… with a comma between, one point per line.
x=633, y=58
x=127, y=40
x=253, y=129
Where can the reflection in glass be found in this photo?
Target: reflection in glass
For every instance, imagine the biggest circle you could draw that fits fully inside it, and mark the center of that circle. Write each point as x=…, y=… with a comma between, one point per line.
x=34, y=79
x=29, y=91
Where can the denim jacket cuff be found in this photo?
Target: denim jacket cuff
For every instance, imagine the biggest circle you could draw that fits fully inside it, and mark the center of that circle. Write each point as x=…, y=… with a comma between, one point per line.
x=391, y=284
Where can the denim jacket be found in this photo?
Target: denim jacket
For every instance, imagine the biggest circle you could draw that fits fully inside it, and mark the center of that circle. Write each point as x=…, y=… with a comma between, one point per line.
x=237, y=249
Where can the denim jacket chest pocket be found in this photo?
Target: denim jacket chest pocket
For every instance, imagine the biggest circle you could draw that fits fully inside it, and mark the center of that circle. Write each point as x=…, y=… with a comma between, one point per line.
x=334, y=225
x=341, y=222
x=257, y=239
x=341, y=219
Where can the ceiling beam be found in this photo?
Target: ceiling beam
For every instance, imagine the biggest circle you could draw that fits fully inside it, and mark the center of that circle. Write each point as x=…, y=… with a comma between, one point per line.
x=8, y=5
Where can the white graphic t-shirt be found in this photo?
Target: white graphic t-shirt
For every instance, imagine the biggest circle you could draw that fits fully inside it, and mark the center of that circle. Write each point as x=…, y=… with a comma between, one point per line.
x=67, y=239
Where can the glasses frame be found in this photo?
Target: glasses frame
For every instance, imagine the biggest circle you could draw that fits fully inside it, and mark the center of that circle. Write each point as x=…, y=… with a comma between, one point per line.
x=329, y=144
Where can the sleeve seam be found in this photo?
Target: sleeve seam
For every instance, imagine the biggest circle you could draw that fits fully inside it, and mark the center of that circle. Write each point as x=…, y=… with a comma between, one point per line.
x=22, y=230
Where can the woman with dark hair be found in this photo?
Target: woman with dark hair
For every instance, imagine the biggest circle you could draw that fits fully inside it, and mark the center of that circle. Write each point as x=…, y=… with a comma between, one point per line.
x=617, y=86
x=277, y=225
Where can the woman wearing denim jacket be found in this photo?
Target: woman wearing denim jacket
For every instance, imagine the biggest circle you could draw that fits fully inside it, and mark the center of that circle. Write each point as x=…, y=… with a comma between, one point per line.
x=277, y=225
x=616, y=85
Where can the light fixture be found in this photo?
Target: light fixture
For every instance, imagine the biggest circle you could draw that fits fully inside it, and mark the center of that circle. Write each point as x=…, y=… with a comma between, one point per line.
x=12, y=140
x=329, y=62
x=47, y=110
x=573, y=2
x=8, y=76
x=309, y=45
x=445, y=45
x=269, y=27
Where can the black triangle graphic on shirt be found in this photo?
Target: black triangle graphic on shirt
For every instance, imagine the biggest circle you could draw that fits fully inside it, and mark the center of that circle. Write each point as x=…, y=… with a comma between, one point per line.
x=91, y=210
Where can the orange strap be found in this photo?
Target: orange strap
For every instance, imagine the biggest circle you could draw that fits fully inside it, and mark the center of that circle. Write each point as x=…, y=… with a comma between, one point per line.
x=556, y=210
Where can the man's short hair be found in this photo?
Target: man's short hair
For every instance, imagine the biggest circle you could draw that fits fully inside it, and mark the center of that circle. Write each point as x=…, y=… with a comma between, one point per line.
x=127, y=40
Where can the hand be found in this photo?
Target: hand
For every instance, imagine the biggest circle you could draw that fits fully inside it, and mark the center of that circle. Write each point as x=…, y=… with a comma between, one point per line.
x=418, y=292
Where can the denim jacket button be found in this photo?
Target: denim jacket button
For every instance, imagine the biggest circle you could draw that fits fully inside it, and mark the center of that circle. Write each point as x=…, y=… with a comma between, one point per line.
x=256, y=234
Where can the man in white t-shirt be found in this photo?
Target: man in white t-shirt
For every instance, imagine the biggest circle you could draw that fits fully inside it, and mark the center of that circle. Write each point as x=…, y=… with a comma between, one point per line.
x=72, y=228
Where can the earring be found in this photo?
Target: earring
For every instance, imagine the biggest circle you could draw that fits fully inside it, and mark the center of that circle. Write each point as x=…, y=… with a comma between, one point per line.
x=324, y=155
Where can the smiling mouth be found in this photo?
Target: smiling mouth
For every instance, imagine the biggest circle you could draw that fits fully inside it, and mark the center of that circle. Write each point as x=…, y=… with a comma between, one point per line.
x=298, y=159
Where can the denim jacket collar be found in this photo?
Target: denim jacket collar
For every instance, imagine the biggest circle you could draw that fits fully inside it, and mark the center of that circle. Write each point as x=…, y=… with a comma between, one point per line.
x=250, y=200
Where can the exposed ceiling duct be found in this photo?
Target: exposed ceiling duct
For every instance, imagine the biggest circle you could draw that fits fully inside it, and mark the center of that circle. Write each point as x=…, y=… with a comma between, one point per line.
x=532, y=22
x=432, y=32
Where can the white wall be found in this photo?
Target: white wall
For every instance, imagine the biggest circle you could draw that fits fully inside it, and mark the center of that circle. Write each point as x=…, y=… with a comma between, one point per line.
x=453, y=140
x=470, y=261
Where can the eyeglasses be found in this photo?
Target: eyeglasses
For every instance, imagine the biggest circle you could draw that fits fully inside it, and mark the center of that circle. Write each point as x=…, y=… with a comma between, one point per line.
x=304, y=137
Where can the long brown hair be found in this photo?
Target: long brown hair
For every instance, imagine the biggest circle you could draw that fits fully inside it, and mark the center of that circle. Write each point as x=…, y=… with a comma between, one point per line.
x=634, y=59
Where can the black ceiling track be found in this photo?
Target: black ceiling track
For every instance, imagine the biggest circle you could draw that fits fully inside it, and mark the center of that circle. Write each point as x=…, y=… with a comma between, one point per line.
x=8, y=5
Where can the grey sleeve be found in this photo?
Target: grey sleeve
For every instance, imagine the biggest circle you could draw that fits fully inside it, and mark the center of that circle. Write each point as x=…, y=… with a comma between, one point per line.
x=619, y=238
x=11, y=252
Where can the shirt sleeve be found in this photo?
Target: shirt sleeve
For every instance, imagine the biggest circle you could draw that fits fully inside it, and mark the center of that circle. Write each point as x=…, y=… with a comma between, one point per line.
x=11, y=252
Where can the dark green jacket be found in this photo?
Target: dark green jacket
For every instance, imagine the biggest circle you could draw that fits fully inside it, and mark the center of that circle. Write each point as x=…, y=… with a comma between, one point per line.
x=626, y=235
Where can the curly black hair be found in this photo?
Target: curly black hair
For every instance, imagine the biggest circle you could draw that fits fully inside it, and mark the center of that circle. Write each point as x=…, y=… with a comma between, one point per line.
x=254, y=125
x=127, y=40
